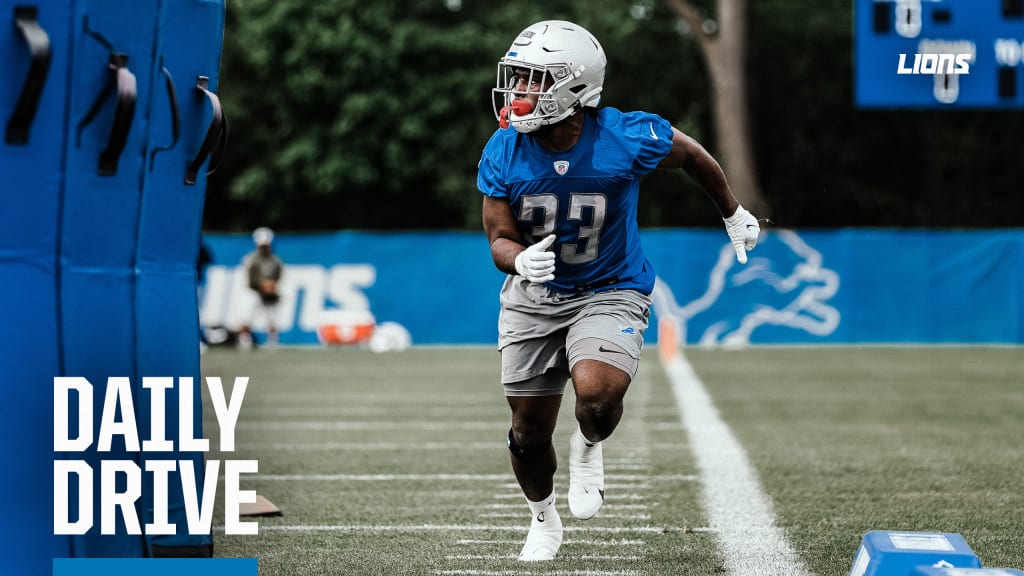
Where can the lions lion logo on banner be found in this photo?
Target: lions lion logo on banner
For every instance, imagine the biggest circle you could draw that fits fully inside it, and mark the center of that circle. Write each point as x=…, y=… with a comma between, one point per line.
x=786, y=284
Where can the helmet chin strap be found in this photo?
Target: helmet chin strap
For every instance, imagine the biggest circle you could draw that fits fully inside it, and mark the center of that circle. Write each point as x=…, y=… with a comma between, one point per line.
x=517, y=107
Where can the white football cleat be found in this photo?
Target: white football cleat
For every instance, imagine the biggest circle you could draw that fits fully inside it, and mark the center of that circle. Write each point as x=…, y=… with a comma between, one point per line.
x=545, y=537
x=586, y=476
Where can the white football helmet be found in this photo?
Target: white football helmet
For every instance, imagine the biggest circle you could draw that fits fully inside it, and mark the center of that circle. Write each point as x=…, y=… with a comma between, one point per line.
x=559, y=62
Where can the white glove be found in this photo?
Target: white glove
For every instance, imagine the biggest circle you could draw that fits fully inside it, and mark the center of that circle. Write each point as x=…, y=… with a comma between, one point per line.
x=743, y=230
x=537, y=263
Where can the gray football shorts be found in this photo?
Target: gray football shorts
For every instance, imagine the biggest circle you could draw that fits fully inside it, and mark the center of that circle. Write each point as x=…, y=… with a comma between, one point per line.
x=542, y=334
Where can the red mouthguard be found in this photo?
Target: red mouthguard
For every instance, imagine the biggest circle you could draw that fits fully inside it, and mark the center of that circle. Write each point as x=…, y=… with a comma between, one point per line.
x=518, y=107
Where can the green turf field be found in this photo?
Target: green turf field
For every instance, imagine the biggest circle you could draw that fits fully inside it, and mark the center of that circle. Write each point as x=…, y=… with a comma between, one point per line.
x=396, y=464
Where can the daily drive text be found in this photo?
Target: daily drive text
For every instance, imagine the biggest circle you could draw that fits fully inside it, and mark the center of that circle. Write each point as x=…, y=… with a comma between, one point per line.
x=120, y=477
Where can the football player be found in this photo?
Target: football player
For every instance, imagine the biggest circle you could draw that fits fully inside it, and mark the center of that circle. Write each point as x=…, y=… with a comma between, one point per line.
x=560, y=179
x=263, y=269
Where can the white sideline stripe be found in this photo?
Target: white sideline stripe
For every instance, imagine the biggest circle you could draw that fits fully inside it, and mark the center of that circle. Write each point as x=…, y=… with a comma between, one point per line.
x=737, y=507
x=456, y=528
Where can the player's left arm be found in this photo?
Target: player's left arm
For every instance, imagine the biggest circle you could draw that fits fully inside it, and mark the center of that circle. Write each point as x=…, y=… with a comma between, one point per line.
x=688, y=154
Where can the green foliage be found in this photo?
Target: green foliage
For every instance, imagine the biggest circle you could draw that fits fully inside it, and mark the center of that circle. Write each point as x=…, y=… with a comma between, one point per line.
x=349, y=114
x=372, y=115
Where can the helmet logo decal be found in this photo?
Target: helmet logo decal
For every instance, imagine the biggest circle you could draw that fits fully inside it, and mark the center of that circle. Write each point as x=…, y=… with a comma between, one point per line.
x=524, y=39
x=561, y=166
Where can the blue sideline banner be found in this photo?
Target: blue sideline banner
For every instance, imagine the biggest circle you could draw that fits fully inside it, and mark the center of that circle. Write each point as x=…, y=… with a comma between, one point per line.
x=817, y=287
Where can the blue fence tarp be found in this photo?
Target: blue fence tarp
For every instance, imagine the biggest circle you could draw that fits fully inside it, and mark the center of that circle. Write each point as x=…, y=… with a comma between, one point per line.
x=817, y=287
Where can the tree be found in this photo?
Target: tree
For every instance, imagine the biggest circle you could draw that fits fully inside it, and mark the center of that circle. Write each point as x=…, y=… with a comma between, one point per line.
x=723, y=44
x=350, y=114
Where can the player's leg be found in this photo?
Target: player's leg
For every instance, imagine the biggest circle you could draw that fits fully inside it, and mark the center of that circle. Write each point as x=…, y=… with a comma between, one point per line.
x=270, y=313
x=603, y=349
x=534, y=404
x=246, y=340
x=529, y=442
x=245, y=337
x=534, y=371
x=600, y=389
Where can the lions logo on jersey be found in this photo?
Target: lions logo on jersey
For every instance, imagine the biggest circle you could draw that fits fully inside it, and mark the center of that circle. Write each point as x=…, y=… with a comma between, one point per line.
x=561, y=166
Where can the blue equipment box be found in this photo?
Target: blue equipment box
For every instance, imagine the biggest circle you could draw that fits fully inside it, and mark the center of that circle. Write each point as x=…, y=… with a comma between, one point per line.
x=885, y=553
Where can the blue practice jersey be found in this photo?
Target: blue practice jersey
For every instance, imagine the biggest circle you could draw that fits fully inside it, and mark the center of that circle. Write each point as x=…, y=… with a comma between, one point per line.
x=586, y=196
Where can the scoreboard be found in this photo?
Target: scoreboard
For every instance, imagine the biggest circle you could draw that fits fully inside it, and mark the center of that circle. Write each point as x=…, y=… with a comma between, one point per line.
x=939, y=53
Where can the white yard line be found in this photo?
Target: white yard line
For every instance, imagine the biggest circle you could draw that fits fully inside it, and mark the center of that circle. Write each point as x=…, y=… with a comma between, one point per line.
x=456, y=528
x=373, y=425
x=627, y=466
x=378, y=477
x=519, y=572
x=569, y=557
x=739, y=511
x=521, y=506
x=602, y=515
x=632, y=487
x=367, y=446
x=609, y=497
x=630, y=480
x=566, y=542
x=418, y=425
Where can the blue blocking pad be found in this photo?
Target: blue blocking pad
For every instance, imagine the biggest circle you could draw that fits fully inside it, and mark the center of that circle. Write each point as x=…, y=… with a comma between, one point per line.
x=170, y=220
x=99, y=238
x=105, y=148
x=884, y=553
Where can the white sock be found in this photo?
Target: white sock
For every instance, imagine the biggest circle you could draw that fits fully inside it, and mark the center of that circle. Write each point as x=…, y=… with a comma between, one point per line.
x=536, y=508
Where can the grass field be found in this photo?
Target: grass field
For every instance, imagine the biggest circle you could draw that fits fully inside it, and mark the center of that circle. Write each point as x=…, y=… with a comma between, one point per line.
x=396, y=463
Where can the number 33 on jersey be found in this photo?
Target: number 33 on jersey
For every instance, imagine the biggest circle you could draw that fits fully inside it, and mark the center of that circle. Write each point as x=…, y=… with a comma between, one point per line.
x=586, y=196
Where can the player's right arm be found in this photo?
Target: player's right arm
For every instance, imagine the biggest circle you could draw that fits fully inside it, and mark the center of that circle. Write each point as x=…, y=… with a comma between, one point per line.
x=509, y=249
x=536, y=263
x=502, y=233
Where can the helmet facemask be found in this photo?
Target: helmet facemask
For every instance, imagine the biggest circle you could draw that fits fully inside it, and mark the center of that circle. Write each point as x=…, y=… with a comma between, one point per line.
x=557, y=64
x=557, y=91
